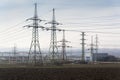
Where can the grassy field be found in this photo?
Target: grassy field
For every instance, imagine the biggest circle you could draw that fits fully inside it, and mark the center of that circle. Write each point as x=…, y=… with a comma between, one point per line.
x=65, y=72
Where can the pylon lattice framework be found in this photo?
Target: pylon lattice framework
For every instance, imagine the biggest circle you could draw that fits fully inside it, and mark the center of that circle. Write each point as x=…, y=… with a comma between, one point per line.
x=64, y=46
x=35, y=56
x=83, y=46
x=53, y=42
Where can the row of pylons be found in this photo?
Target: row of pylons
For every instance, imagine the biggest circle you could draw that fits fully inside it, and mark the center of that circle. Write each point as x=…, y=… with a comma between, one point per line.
x=35, y=56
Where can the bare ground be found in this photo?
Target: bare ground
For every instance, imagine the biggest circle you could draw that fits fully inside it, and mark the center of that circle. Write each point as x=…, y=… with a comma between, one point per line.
x=94, y=73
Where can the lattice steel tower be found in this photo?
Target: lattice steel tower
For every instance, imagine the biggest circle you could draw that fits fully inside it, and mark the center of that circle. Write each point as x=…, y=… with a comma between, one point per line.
x=53, y=43
x=92, y=49
x=83, y=46
x=35, y=56
x=96, y=48
x=64, y=46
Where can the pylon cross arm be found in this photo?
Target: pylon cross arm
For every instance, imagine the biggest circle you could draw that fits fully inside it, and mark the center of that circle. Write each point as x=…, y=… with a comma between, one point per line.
x=34, y=18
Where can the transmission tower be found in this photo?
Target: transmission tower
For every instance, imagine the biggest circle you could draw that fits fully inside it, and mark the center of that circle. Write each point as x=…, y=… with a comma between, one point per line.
x=96, y=47
x=14, y=53
x=92, y=49
x=64, y=46
x=35, y=55
x=53, y=43
x=83, y=46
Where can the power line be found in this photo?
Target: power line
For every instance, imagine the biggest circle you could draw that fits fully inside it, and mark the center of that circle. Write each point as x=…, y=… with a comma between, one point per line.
x=11, y=27
x=92, y=31
x=15, y=34
x=92, y=28
x=15, y=38
x=98, y=17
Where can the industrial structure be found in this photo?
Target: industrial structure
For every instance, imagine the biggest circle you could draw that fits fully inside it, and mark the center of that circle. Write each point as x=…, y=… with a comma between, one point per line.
x=92, y=49
x=15, y=53
x=35, y=55
x=96, y=47
x=100, y=56
x=53, y=50
x=64, y=46
x=83, y=46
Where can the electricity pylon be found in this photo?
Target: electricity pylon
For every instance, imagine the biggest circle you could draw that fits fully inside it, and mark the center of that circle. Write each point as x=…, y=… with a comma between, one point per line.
x=35, y=56
x=96, y=48
x=92, y=49
x=15, y=54
x=64, y=46
x=53, y=42
x=83, y=46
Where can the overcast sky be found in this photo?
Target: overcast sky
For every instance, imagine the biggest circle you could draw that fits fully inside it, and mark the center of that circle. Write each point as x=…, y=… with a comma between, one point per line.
x=83, y=15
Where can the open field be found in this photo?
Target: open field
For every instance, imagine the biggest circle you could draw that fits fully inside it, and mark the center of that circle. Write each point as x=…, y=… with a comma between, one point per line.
x=63, y=66
x=66, y=72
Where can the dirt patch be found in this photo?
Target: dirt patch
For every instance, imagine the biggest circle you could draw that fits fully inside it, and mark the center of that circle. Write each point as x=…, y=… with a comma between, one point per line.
x=60, y=74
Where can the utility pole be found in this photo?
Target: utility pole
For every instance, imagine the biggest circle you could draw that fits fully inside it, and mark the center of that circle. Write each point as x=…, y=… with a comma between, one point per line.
x=96, y=47
x=35, y=56
x=53, y=42
x=64, y=46
x=83, y=46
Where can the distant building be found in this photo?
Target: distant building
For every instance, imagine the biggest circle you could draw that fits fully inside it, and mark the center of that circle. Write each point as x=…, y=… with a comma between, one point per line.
x=88, y=57
x=100, y=56
x=96, y=57
x=104, y=57
x=73, y=57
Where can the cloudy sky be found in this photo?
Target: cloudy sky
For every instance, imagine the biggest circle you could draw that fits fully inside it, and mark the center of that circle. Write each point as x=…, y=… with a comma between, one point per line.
x=101, y=17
